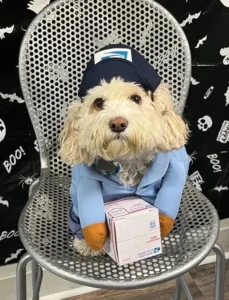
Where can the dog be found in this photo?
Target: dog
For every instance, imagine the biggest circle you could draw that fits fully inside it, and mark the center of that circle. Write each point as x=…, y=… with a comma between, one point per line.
x=118, y=130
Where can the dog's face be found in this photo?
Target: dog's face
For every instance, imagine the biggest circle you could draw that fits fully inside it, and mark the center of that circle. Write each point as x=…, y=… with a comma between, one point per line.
x=121, y=121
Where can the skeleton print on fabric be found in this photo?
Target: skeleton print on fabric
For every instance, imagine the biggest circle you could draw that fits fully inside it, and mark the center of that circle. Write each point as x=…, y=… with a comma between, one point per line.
x=207, y=109
x=204, y=123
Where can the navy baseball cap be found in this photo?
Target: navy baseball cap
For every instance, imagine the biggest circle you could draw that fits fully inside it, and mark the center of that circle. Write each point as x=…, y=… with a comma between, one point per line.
x=119, y=61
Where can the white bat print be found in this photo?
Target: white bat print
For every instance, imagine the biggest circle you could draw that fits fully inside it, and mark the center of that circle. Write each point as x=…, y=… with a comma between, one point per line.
x=12, y=97
x=189, y=19
x=227, y=96
x=13, y=255
x=3, y=31
x=37, y=5
x=4, y=202
x=201, y=41
x=193, y=81
x=220, y=188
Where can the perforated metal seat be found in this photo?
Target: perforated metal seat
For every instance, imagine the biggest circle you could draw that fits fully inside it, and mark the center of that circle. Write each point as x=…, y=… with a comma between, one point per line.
x=53, y=55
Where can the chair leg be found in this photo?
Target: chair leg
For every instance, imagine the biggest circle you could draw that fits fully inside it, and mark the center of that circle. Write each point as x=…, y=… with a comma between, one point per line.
x=185, y=288
x=21, y=276
x=36, y=288
x=37, y=275
x=220, y=272
x=34, y=267
x=178, y=289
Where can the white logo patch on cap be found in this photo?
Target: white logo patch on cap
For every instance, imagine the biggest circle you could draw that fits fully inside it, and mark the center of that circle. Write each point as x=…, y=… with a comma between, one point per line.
x=113, y=53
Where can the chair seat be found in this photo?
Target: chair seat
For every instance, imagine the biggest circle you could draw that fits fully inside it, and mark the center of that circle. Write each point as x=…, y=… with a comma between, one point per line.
x=45, y=234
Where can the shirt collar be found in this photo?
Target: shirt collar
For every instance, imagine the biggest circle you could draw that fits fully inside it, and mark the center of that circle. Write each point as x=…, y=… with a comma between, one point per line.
x=156, y=170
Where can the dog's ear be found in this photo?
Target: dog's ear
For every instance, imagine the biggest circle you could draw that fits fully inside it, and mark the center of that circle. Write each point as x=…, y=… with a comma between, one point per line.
x=69, y=147
x=175, y=130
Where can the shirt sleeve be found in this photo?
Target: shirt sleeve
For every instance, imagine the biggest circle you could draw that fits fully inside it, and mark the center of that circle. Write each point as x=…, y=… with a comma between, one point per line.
x=73, y=188
x=87, y=200
x=170, y=194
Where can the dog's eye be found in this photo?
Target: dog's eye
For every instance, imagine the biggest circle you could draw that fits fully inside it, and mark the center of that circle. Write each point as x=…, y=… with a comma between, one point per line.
x=137, y=99
x=98, y=103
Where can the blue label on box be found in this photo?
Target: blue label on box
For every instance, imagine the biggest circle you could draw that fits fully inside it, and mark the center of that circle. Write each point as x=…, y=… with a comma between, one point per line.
x=157, y=249
x=152, y=224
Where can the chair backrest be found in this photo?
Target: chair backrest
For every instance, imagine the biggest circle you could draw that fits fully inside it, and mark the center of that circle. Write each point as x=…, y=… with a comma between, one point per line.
x=60, y=41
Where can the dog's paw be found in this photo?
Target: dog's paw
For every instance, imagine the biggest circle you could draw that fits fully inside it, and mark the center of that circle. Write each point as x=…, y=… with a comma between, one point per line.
x=166, y=224
x=95, y=235
x=82, y=248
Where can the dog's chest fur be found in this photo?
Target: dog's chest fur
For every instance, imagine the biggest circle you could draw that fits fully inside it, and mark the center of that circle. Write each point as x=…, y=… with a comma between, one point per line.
x=129, y=173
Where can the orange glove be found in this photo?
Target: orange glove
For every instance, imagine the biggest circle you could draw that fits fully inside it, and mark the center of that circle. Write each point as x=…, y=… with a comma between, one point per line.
x=166, y=224
x=95, y=235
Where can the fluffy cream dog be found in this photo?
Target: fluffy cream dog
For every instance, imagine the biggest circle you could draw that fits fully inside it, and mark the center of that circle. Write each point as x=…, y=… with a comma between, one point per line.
x=122, y=123
x=123, y=140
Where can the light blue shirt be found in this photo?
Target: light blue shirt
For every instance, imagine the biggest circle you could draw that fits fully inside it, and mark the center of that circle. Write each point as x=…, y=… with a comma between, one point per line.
x=161, y=186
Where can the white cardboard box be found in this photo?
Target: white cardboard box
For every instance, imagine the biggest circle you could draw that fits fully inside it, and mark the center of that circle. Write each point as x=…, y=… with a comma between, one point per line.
x=134, y=230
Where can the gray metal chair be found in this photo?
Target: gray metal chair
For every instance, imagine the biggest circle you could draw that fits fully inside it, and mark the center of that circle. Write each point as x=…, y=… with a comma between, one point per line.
x=53, y=55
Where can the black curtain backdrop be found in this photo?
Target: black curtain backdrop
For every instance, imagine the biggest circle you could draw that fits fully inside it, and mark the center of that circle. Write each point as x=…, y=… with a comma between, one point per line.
x=205, y=23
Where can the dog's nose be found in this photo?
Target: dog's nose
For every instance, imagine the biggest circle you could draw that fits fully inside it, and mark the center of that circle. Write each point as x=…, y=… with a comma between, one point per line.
x=118, y=124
